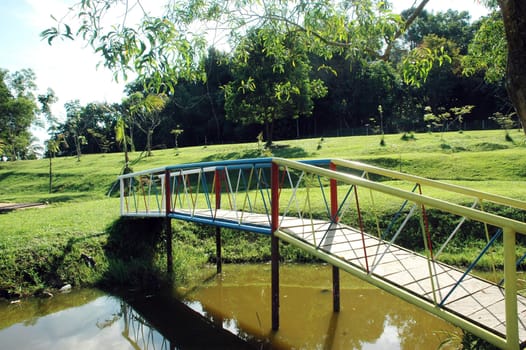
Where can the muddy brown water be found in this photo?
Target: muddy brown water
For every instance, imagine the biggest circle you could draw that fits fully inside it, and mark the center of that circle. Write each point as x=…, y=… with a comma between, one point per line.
x=229, y=311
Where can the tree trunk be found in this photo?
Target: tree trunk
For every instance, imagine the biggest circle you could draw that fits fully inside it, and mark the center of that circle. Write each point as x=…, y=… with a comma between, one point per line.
x=149, y=135
x=77, y=146
x=214, y=114
x=126, y=157
x=269, y=128
x=50, y=173
x=132, y=144
x=514, y=16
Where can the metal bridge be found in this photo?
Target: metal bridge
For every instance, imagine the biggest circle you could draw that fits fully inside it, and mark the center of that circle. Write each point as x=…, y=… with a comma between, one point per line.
x=329, y=208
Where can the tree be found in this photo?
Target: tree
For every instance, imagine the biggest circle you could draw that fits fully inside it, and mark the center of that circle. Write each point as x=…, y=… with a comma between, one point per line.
x=502, y=59
x=123, y=139
x=487, y=52
x=17, y=111
x=268, y=86
x=146, y=112
x=176, y=132
x=452, y=25
x=100, y=120
x=173, y=43
x=75, y=125
x=514, y=17
x=53, y=143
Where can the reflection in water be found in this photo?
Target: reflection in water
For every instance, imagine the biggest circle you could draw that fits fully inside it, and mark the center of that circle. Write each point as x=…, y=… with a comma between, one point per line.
x=86, y=319
x=228, y=308
x=369, y=318
x=108, y=322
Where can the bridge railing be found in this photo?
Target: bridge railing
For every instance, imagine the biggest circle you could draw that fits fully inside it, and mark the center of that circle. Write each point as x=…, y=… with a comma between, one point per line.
x=269, y=195
x=463, y=196
x=343, y=188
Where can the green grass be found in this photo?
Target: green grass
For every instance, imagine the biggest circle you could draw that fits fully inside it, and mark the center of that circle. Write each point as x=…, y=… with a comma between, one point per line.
x=41, y=247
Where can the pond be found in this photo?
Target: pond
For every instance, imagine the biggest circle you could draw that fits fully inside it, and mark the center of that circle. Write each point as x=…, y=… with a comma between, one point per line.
x=228, y=311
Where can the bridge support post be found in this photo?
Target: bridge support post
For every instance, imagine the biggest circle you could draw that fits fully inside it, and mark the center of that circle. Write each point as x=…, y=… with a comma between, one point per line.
x=275, y=281
x=168, y=222
x=335, y=289
x=219, y=262
x=217, y=188
x=169, y=249
x=274, y=245
x=510, y=290
x=334, y=218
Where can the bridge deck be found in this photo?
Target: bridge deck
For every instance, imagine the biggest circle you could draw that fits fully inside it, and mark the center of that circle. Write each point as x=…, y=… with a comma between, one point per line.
x=476, y=300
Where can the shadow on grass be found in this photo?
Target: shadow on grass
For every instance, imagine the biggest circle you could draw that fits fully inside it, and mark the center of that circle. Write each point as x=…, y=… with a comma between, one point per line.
x=232, y=155
x=7, y=175
x=71, y=197
x=284, y=151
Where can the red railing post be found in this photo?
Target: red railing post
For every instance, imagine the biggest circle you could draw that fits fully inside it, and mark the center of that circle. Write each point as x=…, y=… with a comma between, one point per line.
x=334, y=221
x=334, y=196
x=274, y=183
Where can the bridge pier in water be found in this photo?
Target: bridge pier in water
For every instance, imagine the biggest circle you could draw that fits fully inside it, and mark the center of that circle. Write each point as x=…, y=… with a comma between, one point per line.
x=219, y=262
x=169, y=249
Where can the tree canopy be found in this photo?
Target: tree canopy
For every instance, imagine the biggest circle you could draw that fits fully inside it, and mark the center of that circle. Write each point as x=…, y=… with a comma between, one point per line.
x=17, y=112
x=168, y=50
x=268, y=86
x=163, y=47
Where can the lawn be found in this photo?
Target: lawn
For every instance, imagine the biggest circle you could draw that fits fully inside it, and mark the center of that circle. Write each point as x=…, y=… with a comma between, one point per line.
x=36, y=244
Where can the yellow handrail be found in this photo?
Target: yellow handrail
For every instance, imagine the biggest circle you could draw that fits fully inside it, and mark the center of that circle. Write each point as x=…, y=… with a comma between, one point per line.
x=433, y=183
x=474, y=214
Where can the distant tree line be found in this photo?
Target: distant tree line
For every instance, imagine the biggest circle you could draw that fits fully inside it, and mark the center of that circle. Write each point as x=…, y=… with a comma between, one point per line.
x=292, y=93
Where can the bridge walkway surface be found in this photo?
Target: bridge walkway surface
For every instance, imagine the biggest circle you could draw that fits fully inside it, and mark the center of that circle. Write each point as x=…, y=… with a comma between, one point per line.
x=323, y=207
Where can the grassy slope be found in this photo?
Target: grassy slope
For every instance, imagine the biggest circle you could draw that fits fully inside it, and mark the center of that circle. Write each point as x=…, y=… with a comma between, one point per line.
x=38, y=243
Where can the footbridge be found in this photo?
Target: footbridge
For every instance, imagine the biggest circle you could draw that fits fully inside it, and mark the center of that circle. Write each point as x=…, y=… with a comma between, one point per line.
x=329, y=208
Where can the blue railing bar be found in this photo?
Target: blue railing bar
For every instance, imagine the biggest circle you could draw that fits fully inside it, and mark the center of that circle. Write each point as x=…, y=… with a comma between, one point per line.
x=143, y=172
x=223, y=163
x=472, y=265
x=249, y=162
x=244, y=166
x=317, y=162
x=222, y=223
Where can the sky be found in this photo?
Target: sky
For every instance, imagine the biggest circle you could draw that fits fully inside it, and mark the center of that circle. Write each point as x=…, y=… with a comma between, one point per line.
x=70, y=68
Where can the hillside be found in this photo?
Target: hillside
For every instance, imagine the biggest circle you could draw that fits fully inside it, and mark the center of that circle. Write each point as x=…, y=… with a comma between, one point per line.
x=41, y=247
x=474, y=156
